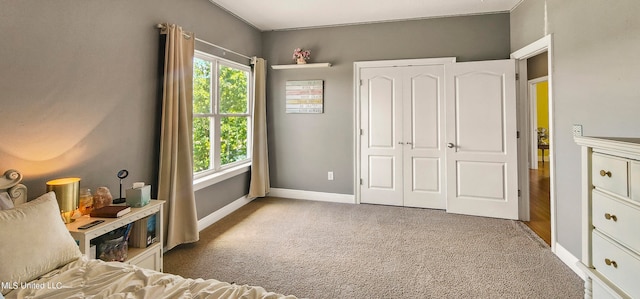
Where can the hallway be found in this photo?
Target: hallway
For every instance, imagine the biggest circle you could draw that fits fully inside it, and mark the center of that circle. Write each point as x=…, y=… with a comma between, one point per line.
x=540, y=207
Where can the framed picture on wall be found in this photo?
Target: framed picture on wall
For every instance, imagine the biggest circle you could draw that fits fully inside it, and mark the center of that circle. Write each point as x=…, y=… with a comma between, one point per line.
x=305, y=96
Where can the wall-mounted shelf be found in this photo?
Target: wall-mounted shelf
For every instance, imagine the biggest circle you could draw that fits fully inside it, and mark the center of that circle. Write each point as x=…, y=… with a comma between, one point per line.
x=300, y=66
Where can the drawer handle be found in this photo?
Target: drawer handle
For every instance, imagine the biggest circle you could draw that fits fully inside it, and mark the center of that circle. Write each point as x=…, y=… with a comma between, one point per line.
x=611, y=263
x=605, y=173
x=610, y=217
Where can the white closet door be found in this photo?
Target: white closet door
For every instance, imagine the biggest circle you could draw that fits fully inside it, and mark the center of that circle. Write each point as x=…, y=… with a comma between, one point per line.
x=423, y=122
x=481, y=139
x=402, y=119
x=381, y=143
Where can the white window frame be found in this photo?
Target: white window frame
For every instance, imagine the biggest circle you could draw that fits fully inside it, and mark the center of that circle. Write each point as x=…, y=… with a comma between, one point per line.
x=219, y=172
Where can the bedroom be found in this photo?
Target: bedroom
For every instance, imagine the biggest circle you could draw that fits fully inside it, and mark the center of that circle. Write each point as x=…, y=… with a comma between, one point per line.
x=78, y=81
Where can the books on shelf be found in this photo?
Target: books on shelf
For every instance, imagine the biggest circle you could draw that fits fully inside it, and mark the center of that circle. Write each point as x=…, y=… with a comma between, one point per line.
x=144, y=233
x=110, y=211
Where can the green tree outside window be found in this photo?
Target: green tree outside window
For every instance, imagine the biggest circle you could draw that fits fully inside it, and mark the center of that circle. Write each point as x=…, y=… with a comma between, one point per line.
x=228, y=114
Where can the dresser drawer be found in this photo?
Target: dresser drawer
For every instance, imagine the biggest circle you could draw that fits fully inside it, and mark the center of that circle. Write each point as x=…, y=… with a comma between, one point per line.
x=623, y=267
x=610, y=173
x=617, y=219
x=149, y=259
x=634, y=181
x=600, y=292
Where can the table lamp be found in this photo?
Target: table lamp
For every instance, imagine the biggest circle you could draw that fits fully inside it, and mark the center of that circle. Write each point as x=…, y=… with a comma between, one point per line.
x=67, y=192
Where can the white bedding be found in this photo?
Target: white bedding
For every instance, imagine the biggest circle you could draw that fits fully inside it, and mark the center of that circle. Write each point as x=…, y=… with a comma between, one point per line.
x=94, y=278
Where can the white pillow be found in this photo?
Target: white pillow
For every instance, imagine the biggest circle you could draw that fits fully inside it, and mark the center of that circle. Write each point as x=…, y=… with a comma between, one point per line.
x=33, y=241
x=5, y=201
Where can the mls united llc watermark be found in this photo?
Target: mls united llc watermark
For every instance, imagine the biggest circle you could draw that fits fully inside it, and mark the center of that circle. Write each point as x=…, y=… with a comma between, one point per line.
x=30, y=285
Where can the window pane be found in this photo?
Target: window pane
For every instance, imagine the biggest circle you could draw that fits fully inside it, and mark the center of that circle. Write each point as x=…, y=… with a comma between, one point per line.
x=233, y=90
x=201, y=86
x=201, y=144
x=233, y=139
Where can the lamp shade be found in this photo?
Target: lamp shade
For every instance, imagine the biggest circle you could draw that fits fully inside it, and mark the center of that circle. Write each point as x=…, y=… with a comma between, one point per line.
x=67, y=192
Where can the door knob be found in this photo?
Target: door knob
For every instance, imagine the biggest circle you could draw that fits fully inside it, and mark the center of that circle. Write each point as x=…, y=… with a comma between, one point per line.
x=450, y=145
x=607, y=173
x=611, y=263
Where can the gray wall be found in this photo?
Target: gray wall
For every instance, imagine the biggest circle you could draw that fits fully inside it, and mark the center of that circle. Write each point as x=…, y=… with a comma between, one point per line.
x=527, y=23
x=216, y=197
x=538, y=66
x=303, y=147
x=78, y=86
x=595, y=76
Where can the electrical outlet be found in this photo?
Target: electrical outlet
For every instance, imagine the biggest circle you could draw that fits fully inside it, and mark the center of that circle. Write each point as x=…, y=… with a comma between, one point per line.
x=330, y=175
x=577, y=130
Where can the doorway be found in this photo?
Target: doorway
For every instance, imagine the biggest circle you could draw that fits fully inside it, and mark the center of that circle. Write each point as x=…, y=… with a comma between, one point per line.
x=536, y=170
x=538, y=92
x=539, y=178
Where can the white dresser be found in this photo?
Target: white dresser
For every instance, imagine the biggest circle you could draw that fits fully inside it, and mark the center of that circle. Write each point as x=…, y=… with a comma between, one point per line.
x=610, y=216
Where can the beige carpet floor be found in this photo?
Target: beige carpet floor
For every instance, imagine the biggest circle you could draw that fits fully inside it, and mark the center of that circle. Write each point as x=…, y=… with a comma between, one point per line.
x=330, y=250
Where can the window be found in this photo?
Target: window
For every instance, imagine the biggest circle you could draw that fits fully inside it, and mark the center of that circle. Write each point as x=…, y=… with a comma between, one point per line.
x=221, y=114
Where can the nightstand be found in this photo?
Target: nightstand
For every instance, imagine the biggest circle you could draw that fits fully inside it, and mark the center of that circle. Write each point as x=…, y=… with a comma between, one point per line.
x=149, y=257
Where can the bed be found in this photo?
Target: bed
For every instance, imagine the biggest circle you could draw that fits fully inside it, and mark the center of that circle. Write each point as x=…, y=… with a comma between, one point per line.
x=40, y=259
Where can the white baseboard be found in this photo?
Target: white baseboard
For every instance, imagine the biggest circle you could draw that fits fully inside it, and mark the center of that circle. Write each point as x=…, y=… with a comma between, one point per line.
x=223, y=212
x=275, y=192
x=569, y=259
x=313, y=195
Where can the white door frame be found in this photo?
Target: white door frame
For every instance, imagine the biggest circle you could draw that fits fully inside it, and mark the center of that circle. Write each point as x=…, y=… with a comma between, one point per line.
x=544, y=44
x=533, y=106
x=356, y=108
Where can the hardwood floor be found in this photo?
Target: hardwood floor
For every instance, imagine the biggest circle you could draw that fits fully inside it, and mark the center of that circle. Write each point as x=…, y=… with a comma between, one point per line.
x=540, y=205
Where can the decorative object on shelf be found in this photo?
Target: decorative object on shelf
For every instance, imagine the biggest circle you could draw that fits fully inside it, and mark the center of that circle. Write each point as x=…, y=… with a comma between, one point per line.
x=102, y=198
x=67, y=194
x=86, y=201
x=138, y=196
x=121, y=175
x=301, y=56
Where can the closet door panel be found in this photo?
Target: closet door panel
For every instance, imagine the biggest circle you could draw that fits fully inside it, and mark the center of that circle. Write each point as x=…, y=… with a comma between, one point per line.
x=426, y=175
x=381, y=172
x=382, y=119
x=481, y=180
x=424, y=125
x=425, y=111
x=381, y=138
x=479, y=116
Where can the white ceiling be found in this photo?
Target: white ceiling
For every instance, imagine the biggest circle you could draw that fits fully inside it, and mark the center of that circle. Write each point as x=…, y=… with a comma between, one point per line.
x=288, y=14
